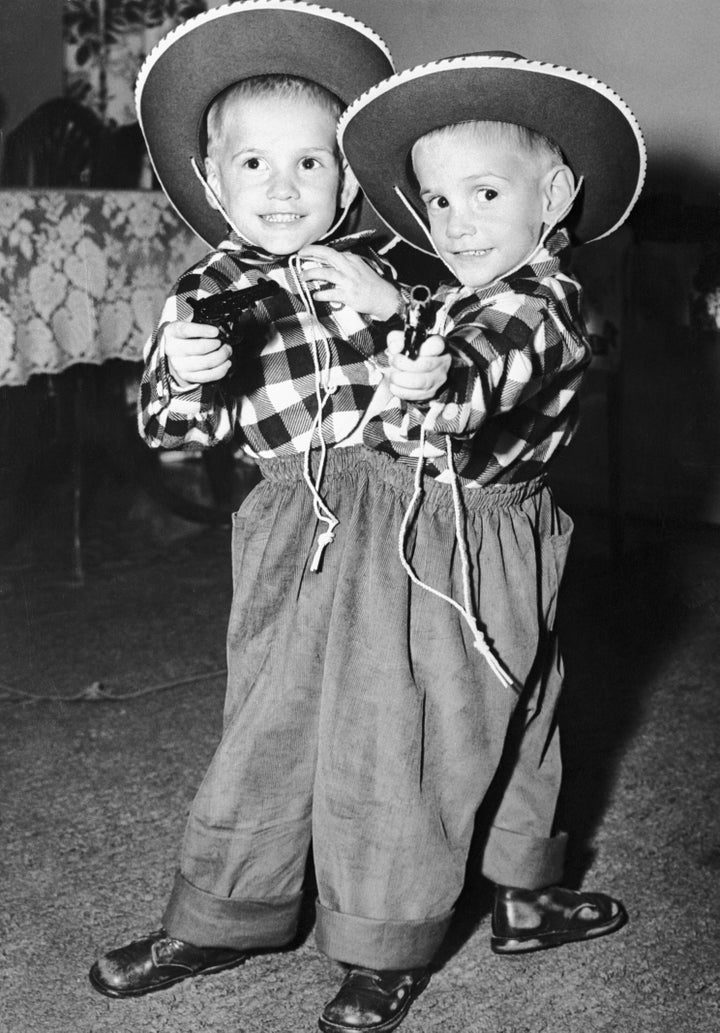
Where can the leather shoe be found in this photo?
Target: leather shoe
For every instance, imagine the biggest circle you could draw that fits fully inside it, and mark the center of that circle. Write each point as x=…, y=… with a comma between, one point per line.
x=155, y=962
x=372, y=1002
x=532, y=920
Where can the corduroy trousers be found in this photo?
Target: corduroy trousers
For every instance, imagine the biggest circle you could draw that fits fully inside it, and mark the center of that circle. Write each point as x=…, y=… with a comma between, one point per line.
x=359, y=717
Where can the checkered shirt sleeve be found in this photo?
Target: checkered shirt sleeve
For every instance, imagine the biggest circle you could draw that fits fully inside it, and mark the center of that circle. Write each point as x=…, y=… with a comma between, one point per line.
x=519, y=352
x=269, y=400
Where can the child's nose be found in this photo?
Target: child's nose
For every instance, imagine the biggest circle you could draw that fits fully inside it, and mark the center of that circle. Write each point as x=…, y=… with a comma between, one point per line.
x=459, y=223
x=282, y=186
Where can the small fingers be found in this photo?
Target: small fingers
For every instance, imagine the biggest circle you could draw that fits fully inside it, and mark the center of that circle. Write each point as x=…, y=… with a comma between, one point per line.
x=329, y=295
x=198, y=369
x=210, y=360
x=412, y=394
x=395, y=342
x=319, y=274
x=184, y=329
x=432, y=345
x=208, y=376
x=431, y=348
x=318, y=252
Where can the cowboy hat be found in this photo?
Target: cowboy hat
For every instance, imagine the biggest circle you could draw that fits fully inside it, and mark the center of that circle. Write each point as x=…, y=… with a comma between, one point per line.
x=596, y=131
x=200, y=58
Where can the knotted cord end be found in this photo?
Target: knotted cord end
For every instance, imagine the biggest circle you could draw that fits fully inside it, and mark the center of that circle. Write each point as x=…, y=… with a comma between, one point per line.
x=323, y=541
x=481, y=644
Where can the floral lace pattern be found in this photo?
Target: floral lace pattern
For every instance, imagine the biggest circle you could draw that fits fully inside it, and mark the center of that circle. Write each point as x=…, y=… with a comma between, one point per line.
x=83, y=275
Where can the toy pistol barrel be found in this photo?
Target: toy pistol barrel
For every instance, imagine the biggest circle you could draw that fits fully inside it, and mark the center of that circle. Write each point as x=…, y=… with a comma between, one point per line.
x=418, y=319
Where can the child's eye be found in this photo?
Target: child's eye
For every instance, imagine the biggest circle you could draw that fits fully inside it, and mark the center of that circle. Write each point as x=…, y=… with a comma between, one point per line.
x=252, y=163
x=309, y=163
x=434, y=203
x=487, y=194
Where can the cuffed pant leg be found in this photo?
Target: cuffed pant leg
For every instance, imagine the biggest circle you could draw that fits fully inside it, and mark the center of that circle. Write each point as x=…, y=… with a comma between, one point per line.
x=521, y=849
x=248, y=832
x=379, y=944
x=412, y=726
x=201, y=918
x=524, y=862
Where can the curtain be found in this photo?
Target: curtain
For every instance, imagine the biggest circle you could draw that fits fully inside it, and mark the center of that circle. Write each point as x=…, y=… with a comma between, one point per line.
x=106, y=41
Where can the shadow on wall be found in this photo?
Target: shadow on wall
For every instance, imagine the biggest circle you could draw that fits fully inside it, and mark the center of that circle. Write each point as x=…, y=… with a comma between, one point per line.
x=678, y=172
x=3, y=117
x=669, y=461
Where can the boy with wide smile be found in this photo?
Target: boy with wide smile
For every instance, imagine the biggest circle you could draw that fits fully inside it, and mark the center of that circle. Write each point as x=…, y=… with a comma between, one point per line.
x=277, y=170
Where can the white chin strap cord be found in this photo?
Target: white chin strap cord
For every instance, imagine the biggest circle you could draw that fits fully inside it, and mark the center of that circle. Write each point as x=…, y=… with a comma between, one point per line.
x=323, y=390
x=467, y=608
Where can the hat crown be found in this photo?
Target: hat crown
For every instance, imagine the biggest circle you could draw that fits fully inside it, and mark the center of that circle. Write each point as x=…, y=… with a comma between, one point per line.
x=597, y=132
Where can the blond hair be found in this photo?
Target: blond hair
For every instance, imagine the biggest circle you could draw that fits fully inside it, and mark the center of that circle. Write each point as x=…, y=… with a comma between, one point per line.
x=282, y=87
x=545, y=151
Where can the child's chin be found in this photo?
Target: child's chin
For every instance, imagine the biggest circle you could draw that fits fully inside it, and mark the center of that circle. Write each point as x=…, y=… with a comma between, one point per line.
x=474, y=283
x=468, y=274
x=285, y=244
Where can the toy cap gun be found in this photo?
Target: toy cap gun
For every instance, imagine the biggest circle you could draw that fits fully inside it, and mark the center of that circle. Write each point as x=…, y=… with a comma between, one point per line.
x=419, y=318
x=226, y=309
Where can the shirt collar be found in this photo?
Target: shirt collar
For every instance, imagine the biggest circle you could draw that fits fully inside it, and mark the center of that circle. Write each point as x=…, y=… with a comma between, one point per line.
x=254, y=255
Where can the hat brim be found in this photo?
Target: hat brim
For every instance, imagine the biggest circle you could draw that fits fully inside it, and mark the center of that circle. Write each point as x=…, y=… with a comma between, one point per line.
x=208, y=53
x=597, y=132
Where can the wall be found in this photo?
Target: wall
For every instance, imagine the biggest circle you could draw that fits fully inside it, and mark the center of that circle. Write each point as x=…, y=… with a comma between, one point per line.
x=30, y=56
x=663, y=58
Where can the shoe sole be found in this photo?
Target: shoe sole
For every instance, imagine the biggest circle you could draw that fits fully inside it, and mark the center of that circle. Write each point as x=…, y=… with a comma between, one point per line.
x=383, y=1027
x=109, y=991
x=545, y=941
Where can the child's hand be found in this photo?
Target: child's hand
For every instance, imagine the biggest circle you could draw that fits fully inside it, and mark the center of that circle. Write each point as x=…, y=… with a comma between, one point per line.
x=195, y=354
x=347, y=279
x=420, y=379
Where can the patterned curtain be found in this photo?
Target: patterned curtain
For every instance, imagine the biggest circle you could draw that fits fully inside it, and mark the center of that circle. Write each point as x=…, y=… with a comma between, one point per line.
x=106, y=41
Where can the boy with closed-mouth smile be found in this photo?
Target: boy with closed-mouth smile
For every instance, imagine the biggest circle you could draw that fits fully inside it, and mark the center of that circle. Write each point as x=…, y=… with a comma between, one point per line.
x=483, y=198
x=493, y=163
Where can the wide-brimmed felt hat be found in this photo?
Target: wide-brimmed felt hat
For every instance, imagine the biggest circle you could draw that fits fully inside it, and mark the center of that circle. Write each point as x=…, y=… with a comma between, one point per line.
x=596, y=131
x=202, y=57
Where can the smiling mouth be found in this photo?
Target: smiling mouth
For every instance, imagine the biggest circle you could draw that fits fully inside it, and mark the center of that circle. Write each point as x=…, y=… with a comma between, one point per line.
x=281, y=217
x=473, y=252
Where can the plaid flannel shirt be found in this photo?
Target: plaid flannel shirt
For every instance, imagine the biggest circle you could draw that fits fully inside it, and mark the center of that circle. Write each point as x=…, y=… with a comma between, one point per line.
x=519, y=352
x=269, y=400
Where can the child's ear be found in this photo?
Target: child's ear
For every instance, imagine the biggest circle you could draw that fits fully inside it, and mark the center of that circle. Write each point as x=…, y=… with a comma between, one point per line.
x=350, y=186
x=558, y=194
x=211, y=184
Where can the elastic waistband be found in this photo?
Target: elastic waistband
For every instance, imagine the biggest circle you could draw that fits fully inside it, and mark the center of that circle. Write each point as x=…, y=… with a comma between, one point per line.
x=360, y=461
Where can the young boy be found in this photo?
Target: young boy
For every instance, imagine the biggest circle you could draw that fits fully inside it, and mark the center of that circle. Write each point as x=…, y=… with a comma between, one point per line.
x=300, y=382
x=295, y=390
x=479, y=158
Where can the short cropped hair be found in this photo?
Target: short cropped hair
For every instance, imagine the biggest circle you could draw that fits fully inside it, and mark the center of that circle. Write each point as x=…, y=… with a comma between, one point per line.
x=534, y=144
x=282, y=87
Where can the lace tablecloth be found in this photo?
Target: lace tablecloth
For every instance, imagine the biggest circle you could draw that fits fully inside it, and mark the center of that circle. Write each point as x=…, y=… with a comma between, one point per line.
x=83, y=275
